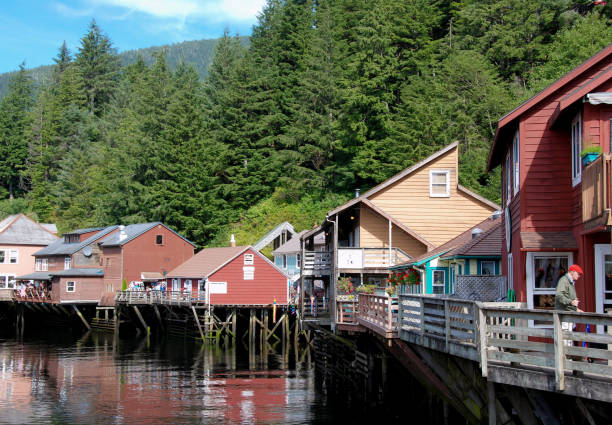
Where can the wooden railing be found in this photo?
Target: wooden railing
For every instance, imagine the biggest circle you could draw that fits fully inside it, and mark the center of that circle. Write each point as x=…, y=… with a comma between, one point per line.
x=317, y=260
x=596, y=188
x=346, y=312
x=154, y=297
x=375, y=258
x=32, y=295
x=379, y=313
x=316, y=307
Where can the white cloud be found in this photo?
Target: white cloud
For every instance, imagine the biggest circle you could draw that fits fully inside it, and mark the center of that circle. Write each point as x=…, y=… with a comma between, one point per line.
x=181, y=9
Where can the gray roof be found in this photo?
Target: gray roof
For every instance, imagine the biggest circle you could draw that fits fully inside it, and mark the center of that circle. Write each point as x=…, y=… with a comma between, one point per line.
x=132, y=232
x=19, y=229
x=61, y=248
x=35, y=276
x=87, y=230
x=79, y=272
x=50, y=227
x=273, y=234
x=292, y=246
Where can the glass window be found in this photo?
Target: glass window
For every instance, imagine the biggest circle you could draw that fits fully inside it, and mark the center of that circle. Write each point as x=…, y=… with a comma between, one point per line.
x=508, y=180
x=67, y=263
x=515, y=161
x=487, y=267
x=298, y=261
x=2, y=256
x=438, y=281
x=439, y=183
x=159, y=239
x=248, y=260
x=284, y=261
x=543, y=272
x=576, y=149
x=608, y=280
x=70, y=286
x=510, y=272
x=14, y=256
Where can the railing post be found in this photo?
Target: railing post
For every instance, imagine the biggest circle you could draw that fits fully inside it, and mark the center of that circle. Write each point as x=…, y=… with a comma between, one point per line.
x=447, y=324
x=389, y=313
x=422, y=306
x=482, y=330
x=559, y=352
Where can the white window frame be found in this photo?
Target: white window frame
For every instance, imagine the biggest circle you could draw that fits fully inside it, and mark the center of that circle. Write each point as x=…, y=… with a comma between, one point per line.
x=508, y=179
x=298, y=260
x=5, y=253
x=249, y=259
x=67, y=262
x=510, y=272
x=5, y=278
x=437, y=285
x=482, y=263
x=576, y=135
x=516, y=161
x=248, y=273
x=68, y=286
x=530, y=278
x=284, y=261
x=15, y=256
x=42, y=265
x=431, y=184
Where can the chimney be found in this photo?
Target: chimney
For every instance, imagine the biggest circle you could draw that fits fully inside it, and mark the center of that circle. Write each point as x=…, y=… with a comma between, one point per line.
x=357, y=191
x=232, y=241
x=122, y=233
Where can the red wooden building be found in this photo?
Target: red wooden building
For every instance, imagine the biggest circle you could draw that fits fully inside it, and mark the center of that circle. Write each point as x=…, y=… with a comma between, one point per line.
x=557, y=210
x=232, y=276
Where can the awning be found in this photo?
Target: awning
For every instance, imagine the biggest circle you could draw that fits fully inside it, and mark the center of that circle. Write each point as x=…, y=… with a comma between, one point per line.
x=554, y=241
x=151, y=276
x=35, y=276
x=599, y=98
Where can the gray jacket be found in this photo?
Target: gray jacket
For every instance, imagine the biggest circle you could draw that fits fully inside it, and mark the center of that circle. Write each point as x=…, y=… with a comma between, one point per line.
x=566, y=293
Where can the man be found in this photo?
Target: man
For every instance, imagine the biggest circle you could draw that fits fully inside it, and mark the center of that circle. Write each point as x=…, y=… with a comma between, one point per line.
x=565, y=297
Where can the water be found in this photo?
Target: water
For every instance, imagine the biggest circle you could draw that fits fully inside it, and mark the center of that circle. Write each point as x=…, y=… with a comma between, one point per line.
x=97, y=379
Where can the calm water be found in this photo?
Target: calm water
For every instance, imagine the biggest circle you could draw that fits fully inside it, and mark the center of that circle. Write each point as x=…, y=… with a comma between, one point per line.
x=99, y=380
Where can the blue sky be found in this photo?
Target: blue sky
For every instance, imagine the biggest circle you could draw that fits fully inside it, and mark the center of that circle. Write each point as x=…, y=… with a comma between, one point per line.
x=33, y=30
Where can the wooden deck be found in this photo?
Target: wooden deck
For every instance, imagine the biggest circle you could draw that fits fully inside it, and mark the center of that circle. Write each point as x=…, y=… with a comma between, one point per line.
x=513, y=345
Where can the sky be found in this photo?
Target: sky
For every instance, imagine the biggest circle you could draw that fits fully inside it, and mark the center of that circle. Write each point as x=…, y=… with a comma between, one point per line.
x=33, y=30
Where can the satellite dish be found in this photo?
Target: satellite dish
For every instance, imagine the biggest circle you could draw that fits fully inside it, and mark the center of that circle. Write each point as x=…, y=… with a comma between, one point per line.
x=87, y=251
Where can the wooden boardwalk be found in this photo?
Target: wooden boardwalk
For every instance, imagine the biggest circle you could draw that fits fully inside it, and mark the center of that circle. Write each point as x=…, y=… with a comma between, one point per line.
x=512, y=345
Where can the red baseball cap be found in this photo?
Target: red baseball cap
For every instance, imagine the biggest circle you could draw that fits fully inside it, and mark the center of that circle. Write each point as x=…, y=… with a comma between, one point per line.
x=576, y=268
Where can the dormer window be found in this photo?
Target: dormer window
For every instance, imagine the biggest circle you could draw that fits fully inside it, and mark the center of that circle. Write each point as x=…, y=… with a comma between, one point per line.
x=71, y=239
x=439, y=183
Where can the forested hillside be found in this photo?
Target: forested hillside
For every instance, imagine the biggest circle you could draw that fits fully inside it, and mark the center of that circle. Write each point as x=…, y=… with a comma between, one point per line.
x=329, y=95
x=198, y=53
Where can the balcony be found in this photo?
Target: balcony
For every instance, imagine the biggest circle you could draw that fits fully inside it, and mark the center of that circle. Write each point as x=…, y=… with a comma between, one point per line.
x=370, y=258
x=317, y=262
x=596, y=193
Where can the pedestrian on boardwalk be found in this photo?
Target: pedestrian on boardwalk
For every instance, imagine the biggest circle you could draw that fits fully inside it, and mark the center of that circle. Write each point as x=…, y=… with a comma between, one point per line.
x=565, y=297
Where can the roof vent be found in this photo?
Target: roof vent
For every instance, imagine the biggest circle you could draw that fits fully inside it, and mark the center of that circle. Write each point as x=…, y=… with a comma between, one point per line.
x=476, y=232
x=122, y=233
x=357, y=192
x=497, y=214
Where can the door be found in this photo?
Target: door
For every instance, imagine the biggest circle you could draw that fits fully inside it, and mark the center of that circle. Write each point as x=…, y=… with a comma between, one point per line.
x=603, y=280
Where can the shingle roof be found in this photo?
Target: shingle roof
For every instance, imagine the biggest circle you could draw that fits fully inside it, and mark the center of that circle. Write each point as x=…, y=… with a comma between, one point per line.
x=79, y=272
x=35, y=276
x=206, y=261
x=132, y=231
x=551, y=240
x=61, y=248
x=487, y=244
x=292, y=246
x=19, y=229
x=88, y=230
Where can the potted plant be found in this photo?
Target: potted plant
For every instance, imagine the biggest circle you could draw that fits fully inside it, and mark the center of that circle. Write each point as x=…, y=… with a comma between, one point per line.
x=589, y=154
x=366, y=289
x=346, y=285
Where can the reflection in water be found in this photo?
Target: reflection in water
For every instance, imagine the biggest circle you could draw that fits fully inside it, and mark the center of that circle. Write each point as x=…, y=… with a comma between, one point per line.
x=100, y=379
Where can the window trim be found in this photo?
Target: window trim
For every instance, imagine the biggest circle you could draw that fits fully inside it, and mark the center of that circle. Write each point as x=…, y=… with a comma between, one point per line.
x=285, y=261
x=434, y=284
x=482, y=263
x=298, y=260
x=5, y=253
x=576, y=147
x=67, y=262
x=159, y=239
x=5, y=278
x=510, y=276
x=249, y=259
x=508, y=181
x=73, y=286
x=447, y=184
x=516, y=158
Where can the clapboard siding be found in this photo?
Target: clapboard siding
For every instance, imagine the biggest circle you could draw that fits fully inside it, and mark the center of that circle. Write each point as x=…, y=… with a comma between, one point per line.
x=436, y=219
x=374, y=233
x=268, y=283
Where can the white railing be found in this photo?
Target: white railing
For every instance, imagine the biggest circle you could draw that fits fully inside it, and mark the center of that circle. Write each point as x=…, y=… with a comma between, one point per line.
x=156, y=297
x=376, y=258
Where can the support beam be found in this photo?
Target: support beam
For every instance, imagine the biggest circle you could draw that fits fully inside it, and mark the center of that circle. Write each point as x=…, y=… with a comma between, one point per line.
x=158, y=315
x=144, y=324
x=78, y=313
x=195, y=314
x=491, y=402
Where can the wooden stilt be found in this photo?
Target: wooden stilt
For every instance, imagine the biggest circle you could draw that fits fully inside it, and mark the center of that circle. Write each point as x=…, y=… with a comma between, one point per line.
x=78, y=313
x=144, y=324
x=195, y=314
x=158, y=315
x=491, y=402
x=117, y=319
x=234, y=325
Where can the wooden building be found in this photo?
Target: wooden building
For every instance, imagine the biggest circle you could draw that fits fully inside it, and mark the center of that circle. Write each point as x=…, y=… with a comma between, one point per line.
x=232, y=276
x=556, y=207
x=404, y=217
x=87, y=265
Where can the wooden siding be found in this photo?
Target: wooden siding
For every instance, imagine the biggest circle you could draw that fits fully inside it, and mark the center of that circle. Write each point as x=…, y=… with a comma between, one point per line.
x=86, y=289
x=436, y=219
x=112, y=266
x=268, y=283
x=374, y=233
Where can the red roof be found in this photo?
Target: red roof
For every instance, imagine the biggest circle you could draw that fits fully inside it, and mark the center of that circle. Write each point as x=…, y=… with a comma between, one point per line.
x=207, y=261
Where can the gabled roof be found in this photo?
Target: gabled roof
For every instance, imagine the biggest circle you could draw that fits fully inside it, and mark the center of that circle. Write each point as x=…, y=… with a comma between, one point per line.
x=19, y=229
x=487, y=244
x=209, y=260
x=132, y=231
x=494, y=154
x=61, y=248
x=273, y=234
x=292, y=246
x=87, y=230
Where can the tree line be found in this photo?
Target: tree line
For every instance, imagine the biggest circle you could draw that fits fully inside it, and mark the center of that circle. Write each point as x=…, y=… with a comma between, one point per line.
x=327, y=97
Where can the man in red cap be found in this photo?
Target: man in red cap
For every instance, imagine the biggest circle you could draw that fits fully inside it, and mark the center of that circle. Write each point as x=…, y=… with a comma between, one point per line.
x=565, y=296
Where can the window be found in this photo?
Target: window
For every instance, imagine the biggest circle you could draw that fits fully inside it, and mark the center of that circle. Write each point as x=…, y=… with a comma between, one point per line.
x=249, y=273
x=298, y=261
x=159, y=239
x=510, y=273
x=2, y=256
x=249, y=260
x=515, y=161
x=576, y=149
x=508, y=180
x=487, y=267
x=108, y=261
x=67, y=263
x=7, y=281
x=543, y=272
x=42, y=264
x=439, y=183
x=70, y=286
x=438, y=281
x=284, y=261
x=14, y=256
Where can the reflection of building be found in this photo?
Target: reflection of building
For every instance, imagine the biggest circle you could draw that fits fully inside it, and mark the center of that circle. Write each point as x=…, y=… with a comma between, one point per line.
x=556, y=203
